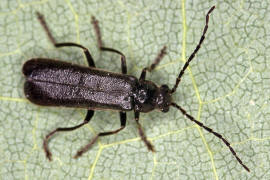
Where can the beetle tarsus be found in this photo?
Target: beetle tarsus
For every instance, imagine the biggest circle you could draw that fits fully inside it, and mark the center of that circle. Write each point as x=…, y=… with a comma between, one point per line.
x=46, y=149
x=161, y=54
x=86, y=148
x=94, y=21
x=149, y=145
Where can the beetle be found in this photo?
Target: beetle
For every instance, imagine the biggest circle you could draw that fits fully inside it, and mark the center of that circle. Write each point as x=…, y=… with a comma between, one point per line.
x=52, y=82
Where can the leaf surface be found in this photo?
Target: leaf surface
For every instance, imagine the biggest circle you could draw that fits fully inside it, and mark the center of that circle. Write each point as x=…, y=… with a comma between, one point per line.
x=226, y=87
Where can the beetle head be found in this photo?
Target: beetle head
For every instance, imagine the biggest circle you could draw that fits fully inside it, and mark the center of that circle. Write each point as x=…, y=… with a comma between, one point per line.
x=163, y=98
x=149, y=97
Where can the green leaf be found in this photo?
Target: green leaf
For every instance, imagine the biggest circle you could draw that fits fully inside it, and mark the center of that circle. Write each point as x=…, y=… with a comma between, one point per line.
x=226, y=87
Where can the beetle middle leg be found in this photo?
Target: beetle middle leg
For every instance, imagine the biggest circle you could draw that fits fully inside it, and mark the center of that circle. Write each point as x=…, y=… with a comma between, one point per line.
x=102, y=48
x=123, y=118
x=88, y=117
x=57, y=45
x=124, y=71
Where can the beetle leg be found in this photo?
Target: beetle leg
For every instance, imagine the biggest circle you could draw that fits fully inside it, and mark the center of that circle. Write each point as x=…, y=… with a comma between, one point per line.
x=88, y=117
x=143, y=137
x=102, y=48
x=123, y=58
x=123, y=118
x=94, y=21
x=57, y=45
x=87, y=54
x=154, y=64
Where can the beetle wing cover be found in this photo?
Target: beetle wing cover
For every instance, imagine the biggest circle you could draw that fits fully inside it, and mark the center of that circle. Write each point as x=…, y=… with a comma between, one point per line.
x=57, y=83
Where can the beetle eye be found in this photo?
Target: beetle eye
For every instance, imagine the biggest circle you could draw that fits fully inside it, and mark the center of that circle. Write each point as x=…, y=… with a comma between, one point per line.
x=142, y=96
x=164, y=88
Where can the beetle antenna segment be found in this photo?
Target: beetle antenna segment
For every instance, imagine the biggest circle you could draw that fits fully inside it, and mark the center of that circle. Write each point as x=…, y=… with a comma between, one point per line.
x=193, y=53
x=211, y=131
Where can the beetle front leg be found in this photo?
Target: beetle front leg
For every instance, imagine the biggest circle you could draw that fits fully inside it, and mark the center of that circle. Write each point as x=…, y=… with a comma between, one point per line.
x=88, y=117
x=141, y=132
x=123, y=118
x=154, y=64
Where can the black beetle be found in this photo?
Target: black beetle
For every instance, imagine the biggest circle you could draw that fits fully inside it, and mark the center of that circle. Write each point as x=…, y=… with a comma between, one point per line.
x=55, y=83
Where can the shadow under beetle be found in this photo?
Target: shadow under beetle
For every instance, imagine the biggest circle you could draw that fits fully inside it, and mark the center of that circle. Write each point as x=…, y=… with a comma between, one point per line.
x=55, y=83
